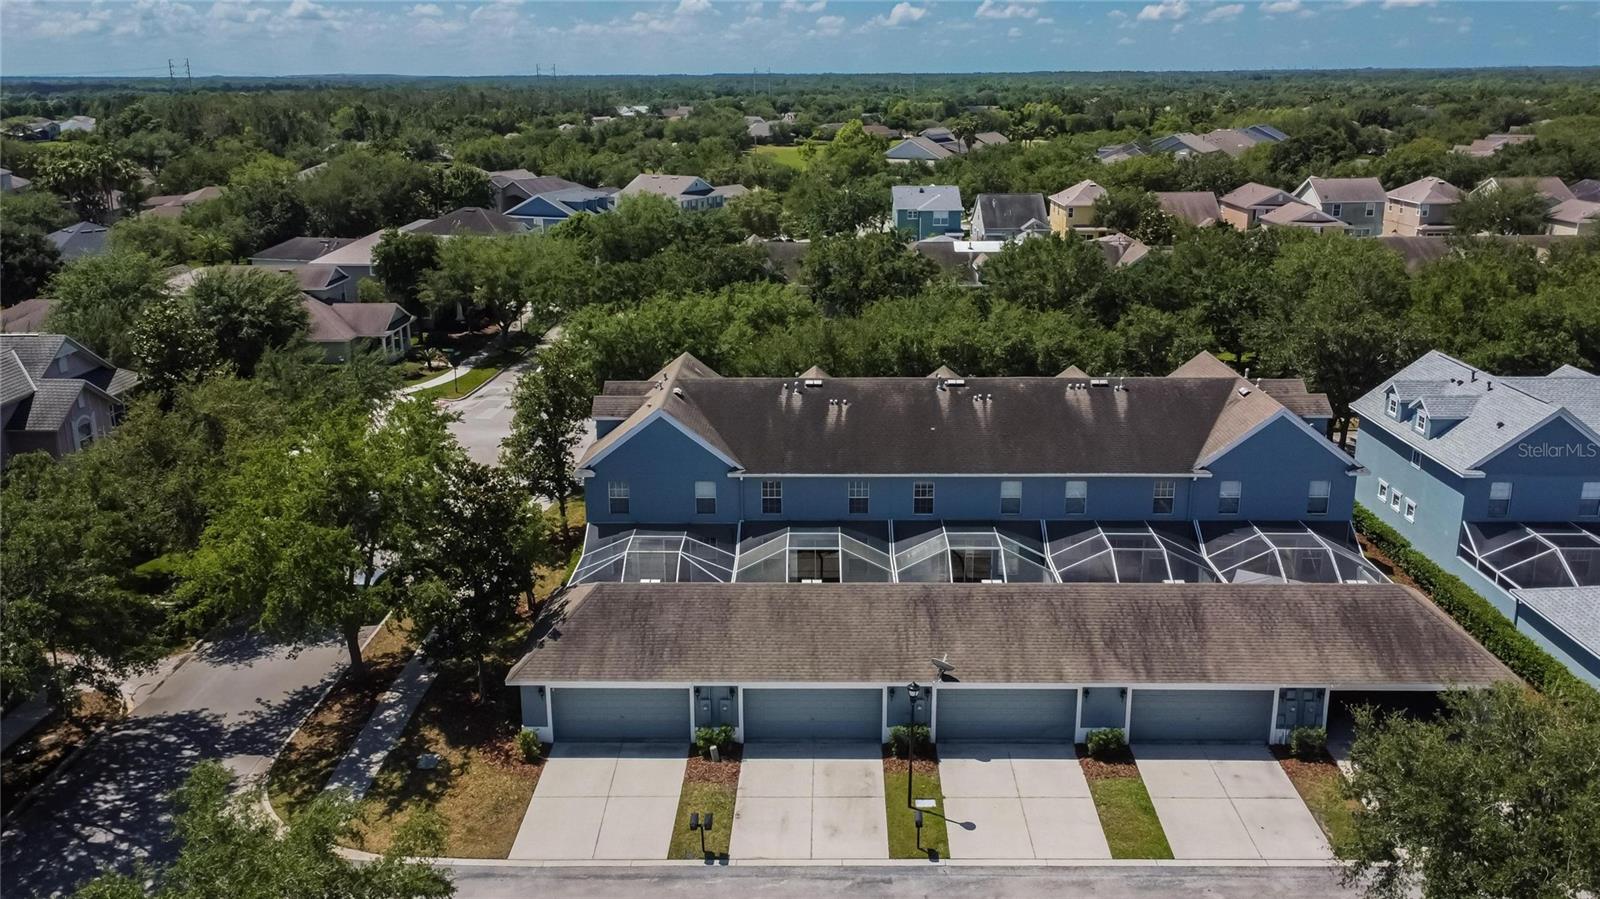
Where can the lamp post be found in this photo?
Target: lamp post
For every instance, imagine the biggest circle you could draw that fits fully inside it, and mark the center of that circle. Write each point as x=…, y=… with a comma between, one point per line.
x=913, y=693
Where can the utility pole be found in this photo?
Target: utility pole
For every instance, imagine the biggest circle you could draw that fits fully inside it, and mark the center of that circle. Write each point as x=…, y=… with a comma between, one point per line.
x=172, y=77
x=187, y=75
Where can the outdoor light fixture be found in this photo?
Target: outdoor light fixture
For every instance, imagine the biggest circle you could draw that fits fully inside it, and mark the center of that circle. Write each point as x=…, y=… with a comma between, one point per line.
x=702, y=824
x=918, y=822
x=913, y=693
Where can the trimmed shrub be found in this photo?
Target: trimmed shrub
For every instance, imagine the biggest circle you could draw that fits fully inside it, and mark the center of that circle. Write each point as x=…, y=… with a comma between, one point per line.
x=1307, y=743
x=528, y=745
x=1475, y=614
x=1106, y=742
x=902, y=736
x=707, y=737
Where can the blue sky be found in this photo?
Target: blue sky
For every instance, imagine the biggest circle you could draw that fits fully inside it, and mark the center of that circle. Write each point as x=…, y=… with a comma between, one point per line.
x=503, y=37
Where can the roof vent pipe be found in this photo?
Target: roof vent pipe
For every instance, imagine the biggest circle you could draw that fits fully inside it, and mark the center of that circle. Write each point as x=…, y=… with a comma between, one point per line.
x=677, y=392
x=1247, y=372
x=1474, y=375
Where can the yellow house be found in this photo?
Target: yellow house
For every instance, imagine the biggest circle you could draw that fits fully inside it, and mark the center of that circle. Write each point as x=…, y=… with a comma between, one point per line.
x=1072, y=210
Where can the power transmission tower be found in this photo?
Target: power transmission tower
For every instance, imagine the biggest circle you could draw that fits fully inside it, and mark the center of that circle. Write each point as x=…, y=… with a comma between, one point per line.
x=172, y=77
x=188, y=75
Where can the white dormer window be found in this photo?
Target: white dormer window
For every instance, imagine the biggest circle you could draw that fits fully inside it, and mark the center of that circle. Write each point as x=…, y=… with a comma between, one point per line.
x=1421, y=424
x=1394, y=406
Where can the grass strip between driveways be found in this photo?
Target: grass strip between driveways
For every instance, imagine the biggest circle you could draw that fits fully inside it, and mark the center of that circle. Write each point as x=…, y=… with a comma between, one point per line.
x=1127, y=815
x=707, y=787
x=1318, y=783
x=902, y=820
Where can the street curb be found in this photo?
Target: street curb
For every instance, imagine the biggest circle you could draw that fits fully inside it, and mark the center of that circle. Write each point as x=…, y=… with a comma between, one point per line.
x=523, y=360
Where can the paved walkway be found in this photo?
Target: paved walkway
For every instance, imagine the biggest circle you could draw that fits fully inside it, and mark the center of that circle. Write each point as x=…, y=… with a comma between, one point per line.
x=361, y=764
x=1018, y=801
x=604, y=801
x=1228, y=802
x=460, y=370
x=810, y=800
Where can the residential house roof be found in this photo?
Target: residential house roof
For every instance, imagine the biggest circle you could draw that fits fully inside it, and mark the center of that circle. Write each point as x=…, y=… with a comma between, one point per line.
x=1575, y=610
x=1120, y=249
x=1183, y=141
x=1118, y=152
x=24, y=317
x=1138, y=425
x=942, y=197
x=989, y=139
x=1197, y=207
x=1346, y=190
x=1232, y=141
x=472, y=220
x=1084, y=193
x=1553, y=189
x=302, y=249
x=174, y=204
x=877, y=130
x=1430, y=190
x=358, y=253
x=672, y=186
x=1012, y=212
x=81, y=239
x=1371, y=635
x=1587, y=189
x=1301, y=215
x=1574, y=211
x=919, y=147
x=1505, y=409
x=729, y=191
x=1252, y=194
x=43, y=396
x=785, y=257
x=343, y=322
x=1267, y=132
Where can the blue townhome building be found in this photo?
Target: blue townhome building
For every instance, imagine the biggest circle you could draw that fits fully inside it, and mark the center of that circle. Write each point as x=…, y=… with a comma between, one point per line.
x=1497, y=479
x=1038, y=556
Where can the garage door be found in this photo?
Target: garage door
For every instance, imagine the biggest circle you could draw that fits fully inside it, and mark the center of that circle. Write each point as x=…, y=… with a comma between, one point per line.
x=813, y=715
x=584, y=714
x=1220, y=716
x=1012, y=715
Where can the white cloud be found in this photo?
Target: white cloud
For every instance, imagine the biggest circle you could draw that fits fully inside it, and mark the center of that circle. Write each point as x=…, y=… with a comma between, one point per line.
x=1277, y=7
x=996, y=9
x=1014, y=32
x=1223, y=13
x=903, y=14
x=430, y=10
x=1166, y=9
x=1116, y=14
x=693, y=7
x=1125, y=42
x=306, y=9
x=1405, y=4
x=801, y=6
x=827, y=26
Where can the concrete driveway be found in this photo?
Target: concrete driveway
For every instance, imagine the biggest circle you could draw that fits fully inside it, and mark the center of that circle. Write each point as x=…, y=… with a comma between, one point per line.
x=236, y=699
x=1018, y=801
x=1228, y=802
x=604, y=800
x=810, y=800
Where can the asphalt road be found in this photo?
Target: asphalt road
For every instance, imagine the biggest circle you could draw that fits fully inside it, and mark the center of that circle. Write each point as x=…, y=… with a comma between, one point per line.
x=486, y=418
x=237, y=700
x=505, y=882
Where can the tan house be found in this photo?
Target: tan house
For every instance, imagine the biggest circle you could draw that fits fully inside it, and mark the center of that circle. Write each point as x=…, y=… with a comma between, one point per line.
x=1488, y=146
x=1358, y=202
x=1574, y=217
x=1303, y=216
x=56, y=396
x=1120, y=249
x=1072, y=210
x=1422, y=208
x=343, y=329
x=1245, y=205
x=1197, y=207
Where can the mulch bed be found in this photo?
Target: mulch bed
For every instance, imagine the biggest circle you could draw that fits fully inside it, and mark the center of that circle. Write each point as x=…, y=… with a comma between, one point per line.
x=1309, y=767
x=1111, y=767
x=1385, y=564
x=927, y=762
x=32, y=758
x=704, y=770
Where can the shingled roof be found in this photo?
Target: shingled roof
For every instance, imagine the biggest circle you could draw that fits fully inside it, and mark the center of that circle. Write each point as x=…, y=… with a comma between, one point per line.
x=1362, y=635
x=933, y=425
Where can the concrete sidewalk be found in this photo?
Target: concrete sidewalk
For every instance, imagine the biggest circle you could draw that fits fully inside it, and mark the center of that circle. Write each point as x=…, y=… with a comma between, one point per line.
x=361, y=764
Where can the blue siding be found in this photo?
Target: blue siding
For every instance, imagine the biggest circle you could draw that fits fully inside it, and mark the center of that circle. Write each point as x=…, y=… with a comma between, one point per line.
x=1436, y=490
x=962, y=498
x=661, y=464
x=1275, y=468
x=925, y=223
x=1546, y=470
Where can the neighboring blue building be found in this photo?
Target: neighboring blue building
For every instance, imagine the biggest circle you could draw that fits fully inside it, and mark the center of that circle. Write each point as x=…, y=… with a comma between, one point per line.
x=1498, y=480
x=926, y=210
x=1045, y=476
x=553, y=207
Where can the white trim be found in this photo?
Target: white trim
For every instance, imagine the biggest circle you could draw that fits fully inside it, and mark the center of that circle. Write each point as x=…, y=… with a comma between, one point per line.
x=1193, y=475
x=1282, y=413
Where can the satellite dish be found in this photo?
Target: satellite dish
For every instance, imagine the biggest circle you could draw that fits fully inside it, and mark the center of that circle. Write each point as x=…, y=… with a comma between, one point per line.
x=943, y=665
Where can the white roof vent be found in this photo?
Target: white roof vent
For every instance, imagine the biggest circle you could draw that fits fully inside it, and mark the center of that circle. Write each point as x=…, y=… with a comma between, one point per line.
x=1098, y=382
x=1244, y=391
x=955, y=382
x=677, y=391
x=813, y=382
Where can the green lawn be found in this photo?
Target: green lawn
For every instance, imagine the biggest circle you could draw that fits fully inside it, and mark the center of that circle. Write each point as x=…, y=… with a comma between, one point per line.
x=703, y=797
x=789, y=156
x=1318, y=784
x=902, y=829
x=1129, y=819
x=456, y=388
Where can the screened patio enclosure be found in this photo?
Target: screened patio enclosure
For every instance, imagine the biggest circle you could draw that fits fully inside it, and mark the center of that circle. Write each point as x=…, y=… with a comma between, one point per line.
x=932, y=551
x=1523, y=556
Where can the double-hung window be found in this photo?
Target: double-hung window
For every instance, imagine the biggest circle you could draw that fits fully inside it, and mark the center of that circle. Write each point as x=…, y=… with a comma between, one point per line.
x=1421, y=422
x=859, y=494
x=1394, y=406
x=1335, y=210
x=1077, y=497
x=1499, y=499
x=1416, y=458
x=1163, y=497
x=1394, y=499
x=1589, y=500
x=922, y=498
x=1411, y=509
x=1228, y=498
x=1317, y=497
x=1383, y=491
x=617, y=497
x=1010, y=497
x=772, y=497
x=705, y=498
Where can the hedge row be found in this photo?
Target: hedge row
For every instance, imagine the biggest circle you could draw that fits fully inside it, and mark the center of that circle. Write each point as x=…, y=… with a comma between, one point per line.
x=1474, y=613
